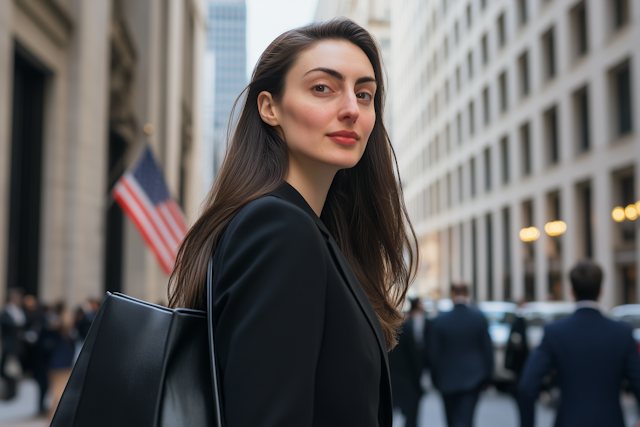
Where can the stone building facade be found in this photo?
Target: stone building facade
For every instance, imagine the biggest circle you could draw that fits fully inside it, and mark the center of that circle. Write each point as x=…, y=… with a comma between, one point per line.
x=83, y=86
x=512, y=114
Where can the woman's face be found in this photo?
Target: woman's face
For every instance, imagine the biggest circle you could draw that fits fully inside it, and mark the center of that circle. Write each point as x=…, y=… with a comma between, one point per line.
x=326, y=113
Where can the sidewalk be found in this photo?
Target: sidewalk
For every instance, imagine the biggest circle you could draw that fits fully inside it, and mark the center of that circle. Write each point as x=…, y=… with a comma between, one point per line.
x=20, y=411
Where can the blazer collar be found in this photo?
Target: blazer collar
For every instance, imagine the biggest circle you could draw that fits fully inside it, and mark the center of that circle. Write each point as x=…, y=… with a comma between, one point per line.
x=287, y=193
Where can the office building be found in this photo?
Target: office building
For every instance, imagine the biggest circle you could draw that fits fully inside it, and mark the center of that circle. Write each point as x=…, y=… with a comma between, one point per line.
x=512, y=114
x=83, y=86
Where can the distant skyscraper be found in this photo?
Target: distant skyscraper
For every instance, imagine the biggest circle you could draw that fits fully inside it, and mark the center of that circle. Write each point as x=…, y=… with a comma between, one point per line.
x=227, y=42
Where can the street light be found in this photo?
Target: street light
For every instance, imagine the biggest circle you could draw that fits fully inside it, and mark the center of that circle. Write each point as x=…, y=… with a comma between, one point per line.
x=555, y=228
x=529, y=234
x=618, y=214
x=630, y=212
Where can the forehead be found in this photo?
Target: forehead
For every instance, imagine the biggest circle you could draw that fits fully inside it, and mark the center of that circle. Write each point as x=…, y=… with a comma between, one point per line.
x=342, y=56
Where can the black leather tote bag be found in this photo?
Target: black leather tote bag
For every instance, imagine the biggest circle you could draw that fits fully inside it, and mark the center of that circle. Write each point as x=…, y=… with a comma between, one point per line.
x=144, y=365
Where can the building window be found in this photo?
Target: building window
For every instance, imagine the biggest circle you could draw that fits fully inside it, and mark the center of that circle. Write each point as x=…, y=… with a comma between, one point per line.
x=504, y=157
x=522, y=12
x=620, y=13
x=489, y=255
x=581, y=108
x=472, y=176
x=620, y=78
x=487, y=169
x=469, y=17
x=483, y=4
x=523, y=72
x=548, y=54
x=485, y=105
x=460, y=185
x=502, y=31
x=456, y=33
x=484, y=47
x=585, y=237
x=472, y=120
x=458, y=86
x=470, y=64
x=502, y=84
x=449, y=190
x=474, y=258
x=446, y=47
x=506, y=254
x=551, y=135
x=525, y=149
x=578, y=19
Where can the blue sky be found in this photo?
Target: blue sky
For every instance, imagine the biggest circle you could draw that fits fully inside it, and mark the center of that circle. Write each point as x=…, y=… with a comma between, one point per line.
x=267, y=19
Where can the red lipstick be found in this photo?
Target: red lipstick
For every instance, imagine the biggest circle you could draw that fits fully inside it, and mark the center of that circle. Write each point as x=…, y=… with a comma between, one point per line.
x=344, y=137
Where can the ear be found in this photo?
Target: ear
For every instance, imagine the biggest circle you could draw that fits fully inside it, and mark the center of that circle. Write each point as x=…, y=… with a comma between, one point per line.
x=267, y=109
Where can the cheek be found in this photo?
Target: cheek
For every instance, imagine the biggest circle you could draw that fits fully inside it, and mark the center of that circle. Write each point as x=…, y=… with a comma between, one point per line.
x=304, y=119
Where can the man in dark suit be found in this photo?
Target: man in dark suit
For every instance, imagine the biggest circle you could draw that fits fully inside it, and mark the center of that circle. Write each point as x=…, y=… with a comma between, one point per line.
x=591, y=354
x=517, y=347
x=407, y=361
x=12, y=320
x=461, y=357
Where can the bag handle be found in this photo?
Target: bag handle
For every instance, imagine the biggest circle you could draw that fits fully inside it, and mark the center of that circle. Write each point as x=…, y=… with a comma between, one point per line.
x=212, y=353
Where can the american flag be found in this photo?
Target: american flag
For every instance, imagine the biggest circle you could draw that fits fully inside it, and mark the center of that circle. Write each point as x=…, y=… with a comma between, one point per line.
x=143, y=194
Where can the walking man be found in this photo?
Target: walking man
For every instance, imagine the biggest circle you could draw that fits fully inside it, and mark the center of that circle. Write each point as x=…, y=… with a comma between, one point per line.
x=407, y=361
x=461, y=357
x=591, y=354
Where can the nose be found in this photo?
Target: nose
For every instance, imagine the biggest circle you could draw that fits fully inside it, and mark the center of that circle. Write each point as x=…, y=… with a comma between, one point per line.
x=349, y=109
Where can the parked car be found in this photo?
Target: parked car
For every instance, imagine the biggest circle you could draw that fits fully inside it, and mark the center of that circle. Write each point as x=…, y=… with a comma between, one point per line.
x=629, y=314
x=539, y=313
x=500, y=316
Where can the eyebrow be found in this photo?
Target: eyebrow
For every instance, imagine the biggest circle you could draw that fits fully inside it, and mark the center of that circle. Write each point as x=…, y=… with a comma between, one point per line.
x=340, y=76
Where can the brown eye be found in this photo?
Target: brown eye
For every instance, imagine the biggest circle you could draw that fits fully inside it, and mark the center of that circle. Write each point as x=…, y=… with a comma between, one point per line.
x=320, y=88
x=364, y=95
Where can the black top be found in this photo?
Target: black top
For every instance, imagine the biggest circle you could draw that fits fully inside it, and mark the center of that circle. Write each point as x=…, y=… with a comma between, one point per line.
x=297, y=340
x=592, y=355
x=461, y=350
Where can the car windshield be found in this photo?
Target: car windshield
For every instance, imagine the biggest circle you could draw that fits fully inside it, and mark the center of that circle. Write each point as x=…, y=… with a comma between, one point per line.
x=505, y=317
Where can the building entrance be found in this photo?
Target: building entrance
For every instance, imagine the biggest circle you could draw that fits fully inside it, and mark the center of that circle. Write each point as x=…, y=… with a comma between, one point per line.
x=26, y=174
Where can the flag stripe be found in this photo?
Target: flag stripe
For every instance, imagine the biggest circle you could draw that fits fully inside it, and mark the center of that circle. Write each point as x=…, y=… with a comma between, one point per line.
x=170, y=222
x=178, y=216
x=148, y=207
x=130, y=206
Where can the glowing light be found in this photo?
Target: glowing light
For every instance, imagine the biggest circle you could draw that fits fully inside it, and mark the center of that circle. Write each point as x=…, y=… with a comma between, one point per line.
x=618, y=214
x=638, y=206
x=630, y=212
x=529, y=234
x=555, y=228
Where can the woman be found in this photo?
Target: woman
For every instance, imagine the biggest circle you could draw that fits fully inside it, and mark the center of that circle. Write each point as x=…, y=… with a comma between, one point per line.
x=308, y=233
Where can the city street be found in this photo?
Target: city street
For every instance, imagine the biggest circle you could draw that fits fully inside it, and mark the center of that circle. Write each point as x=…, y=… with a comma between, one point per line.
x=494, y=410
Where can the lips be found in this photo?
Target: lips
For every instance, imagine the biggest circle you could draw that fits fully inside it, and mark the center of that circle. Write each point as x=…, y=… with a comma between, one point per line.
x=344, y=137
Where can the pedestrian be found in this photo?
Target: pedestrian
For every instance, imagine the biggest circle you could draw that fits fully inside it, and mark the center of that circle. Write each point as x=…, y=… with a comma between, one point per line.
x=312, y=247
x=461, y=357
x=517, y=350
x=12, y=322
x=407, y=362
x=60, y=327
x=591, y=354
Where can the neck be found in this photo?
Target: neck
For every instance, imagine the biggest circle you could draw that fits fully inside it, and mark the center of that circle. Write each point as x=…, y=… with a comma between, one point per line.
x=312, y=182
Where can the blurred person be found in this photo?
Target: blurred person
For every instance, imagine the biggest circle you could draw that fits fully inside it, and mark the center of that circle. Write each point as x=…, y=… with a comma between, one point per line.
x=592, y=355
x=59, y=325
x=407, y=361
x=12, y=322
x=32, y=326
x=517, y=350
x=311, y=242
x=461, y=355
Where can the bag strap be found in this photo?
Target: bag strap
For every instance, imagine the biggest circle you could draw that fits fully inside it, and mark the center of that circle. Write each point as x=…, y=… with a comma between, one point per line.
x=212, y=353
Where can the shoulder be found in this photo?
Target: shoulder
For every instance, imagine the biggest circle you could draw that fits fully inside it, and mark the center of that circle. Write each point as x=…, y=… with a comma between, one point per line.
x=270, y=222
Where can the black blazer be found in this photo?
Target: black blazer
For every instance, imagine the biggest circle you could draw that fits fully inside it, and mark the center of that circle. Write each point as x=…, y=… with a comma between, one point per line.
x=592, y=355
x=461, y=350
x=297, y=340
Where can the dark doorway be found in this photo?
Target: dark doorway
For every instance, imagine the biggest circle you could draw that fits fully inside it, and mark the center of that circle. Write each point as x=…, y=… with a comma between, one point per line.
x=26, y=173
x=115, y=218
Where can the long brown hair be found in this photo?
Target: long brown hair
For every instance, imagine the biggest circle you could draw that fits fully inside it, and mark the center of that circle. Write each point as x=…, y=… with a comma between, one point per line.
x=364, y=210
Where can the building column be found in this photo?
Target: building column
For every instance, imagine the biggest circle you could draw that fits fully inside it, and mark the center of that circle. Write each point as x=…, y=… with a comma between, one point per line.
x=445, y=251
x=87, y=153
x=568, y=214
x=498, y=254
x=481, y=251
x=602, y=235
x=541, y=262
x=517, y=262
x=6, y=71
